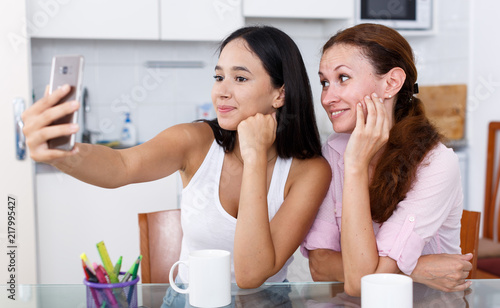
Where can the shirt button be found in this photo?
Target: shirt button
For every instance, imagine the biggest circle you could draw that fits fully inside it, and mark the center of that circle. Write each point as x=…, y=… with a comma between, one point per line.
x=412, y=219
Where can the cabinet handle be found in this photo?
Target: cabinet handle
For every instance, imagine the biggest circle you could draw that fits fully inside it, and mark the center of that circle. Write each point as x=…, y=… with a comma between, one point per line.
x=18, y=128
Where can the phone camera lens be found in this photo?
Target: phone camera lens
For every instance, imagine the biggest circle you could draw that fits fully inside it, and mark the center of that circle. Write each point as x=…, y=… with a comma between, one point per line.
x=64, y=69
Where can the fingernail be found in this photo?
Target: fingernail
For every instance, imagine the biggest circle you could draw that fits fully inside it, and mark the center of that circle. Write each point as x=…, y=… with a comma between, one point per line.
x=74, y=103
x=375, y=94
x=74, y=127
x=66, y=87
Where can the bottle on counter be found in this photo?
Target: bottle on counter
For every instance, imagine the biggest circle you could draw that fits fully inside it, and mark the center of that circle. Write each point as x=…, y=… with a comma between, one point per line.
x=129, y=134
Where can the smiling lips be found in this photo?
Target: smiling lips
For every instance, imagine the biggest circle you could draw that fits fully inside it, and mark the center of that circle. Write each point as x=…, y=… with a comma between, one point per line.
x=336, y=114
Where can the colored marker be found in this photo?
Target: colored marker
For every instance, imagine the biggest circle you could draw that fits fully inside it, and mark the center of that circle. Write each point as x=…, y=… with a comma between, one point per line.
x=128, y=274
x=118, y=266
x=102, y=279
x=136, y=267
x=134, y=276
x=106, y=261
x=83, y=256
x=84, y=270
x=92, y=290
x=88, y=274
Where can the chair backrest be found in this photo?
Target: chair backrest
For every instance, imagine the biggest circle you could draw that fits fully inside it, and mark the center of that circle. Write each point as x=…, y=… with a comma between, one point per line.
x=160, y=240
x=491, y=213
x=469, y=237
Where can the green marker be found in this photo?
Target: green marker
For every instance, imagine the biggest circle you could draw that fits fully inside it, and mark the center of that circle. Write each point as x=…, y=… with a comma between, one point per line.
x=131, y=270
x=118, y=266
x=136, y=267
x=134, y=276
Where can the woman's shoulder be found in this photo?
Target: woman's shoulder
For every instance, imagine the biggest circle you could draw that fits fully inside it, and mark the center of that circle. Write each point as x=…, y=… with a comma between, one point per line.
x=195, y=133
x=440, y=155
x=316, y=167
x=441, y=162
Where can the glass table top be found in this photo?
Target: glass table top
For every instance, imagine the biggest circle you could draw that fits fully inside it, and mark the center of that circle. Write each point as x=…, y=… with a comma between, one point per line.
x=482, y=293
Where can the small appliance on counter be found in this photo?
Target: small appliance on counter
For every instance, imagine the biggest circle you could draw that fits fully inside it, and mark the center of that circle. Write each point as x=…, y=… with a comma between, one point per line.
x=86, y=133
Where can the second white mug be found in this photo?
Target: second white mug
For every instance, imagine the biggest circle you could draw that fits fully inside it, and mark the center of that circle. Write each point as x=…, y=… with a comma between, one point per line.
x=209, y=278
x=386, y=291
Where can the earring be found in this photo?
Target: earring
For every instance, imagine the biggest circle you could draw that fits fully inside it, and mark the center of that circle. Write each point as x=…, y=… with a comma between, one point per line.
x=390, y=96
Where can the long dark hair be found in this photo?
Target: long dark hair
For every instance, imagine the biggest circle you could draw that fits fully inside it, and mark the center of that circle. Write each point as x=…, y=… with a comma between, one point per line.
x=297, y=134
x=412, y=135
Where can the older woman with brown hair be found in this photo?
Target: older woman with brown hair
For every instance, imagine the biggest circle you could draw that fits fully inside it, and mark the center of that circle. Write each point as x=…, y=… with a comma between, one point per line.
x=395, y=201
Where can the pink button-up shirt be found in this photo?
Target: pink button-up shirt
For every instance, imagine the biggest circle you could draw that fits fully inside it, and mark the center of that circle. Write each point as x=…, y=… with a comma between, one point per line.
x=427, y=221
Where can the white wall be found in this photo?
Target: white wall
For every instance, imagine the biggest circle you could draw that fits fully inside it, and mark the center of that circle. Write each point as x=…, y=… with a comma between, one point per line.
x=443, y=58
x=484, y=94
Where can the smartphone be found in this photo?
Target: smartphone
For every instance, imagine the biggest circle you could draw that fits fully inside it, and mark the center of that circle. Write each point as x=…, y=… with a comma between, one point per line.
x=66, y=69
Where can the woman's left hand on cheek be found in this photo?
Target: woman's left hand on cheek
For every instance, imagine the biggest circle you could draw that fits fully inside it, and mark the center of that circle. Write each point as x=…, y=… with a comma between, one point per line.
x=256, y=135
x=368, y=136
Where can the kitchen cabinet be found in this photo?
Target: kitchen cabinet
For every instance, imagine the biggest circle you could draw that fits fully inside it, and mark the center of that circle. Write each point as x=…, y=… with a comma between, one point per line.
x=134, y=20
x=314, y=9
x=199, y=19
x=72, y=217
x=93, y=19
x=195, y=20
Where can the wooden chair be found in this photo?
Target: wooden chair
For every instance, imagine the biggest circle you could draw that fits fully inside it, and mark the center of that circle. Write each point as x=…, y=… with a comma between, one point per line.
x=469, y=237
x=160, y=241
x=489, y=246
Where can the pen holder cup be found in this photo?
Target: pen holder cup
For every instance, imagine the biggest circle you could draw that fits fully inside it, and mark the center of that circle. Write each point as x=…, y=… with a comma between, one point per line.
x=115, y=295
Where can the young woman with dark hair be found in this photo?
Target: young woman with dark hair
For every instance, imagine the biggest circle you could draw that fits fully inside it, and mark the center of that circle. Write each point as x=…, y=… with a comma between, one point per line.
x=253, y=178
x=395, y=200
x=296, y=134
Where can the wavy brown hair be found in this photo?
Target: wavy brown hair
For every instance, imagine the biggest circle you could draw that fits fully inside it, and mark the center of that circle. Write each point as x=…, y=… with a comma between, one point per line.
x=412, y=135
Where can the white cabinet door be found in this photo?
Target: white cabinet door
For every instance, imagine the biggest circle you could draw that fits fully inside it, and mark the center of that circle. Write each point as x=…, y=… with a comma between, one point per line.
x=199, y=20
x=321, y=9
x=17, y=210
x=96, y=19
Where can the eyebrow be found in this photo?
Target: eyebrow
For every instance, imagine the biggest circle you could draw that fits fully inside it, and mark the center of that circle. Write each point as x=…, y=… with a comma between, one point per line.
x=234, y=68
x=336, y=68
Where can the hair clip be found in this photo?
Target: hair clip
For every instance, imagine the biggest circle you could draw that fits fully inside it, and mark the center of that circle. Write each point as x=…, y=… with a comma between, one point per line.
x=415, y=88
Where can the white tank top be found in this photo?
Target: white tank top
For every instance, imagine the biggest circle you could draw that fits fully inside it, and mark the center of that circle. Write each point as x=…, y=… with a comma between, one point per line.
x=205, y=223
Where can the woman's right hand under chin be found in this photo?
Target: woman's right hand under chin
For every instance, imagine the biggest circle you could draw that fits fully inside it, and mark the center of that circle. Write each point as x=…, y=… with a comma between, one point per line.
x=256, y=135
x=370, y=134
x=37, y=128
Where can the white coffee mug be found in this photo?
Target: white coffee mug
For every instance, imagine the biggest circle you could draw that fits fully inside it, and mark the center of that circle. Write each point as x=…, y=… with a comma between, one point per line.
x=386, y=291
x=209, y=282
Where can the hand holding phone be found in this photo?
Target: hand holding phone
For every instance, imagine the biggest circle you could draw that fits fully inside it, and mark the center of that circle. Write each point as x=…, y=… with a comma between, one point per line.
x=66, y=70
